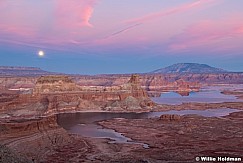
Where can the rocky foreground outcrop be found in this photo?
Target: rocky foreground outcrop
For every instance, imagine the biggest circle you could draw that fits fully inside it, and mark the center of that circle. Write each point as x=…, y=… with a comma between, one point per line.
x=34, y=140
x=8, y=156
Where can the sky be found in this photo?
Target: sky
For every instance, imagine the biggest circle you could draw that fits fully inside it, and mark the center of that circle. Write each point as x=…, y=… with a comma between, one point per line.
x=120, y=36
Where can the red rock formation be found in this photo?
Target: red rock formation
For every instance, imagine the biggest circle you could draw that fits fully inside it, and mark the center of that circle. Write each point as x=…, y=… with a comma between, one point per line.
x=17, y=82
x=33, y=138
x=46, y=84
x=28, y=126
x=183, y=93
x=170, y=117
x=148, y=81
x=55, y=94
x=163, y=83
x=134, y=85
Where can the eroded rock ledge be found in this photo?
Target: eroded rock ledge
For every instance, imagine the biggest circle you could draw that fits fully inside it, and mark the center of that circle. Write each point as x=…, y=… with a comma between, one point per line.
x=38, y=140
x=56, y=94
x=174, y=139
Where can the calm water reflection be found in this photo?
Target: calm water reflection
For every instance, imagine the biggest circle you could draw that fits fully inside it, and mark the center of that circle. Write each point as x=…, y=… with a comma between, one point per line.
x=85, y=124
x=210, y=94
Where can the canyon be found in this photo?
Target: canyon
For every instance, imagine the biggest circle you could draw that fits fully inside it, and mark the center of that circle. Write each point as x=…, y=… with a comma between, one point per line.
x=30, y=105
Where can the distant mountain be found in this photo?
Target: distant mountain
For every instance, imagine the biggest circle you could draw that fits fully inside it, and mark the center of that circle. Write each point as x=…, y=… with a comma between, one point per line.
x=23, y=71
x=189, y=68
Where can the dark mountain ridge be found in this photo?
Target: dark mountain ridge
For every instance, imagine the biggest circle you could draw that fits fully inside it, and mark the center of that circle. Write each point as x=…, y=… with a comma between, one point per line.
x=194, y=68
x=23, y=71
x=18, y=68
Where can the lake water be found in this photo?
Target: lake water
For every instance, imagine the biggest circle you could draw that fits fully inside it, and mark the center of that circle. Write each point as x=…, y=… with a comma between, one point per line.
x=211, y=94
x=85, y=124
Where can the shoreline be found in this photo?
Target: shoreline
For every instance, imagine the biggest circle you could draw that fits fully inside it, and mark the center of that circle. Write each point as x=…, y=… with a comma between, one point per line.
x=157, y=108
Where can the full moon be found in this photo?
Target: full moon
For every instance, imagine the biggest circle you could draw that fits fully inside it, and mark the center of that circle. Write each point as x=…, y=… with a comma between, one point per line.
x=41, y=53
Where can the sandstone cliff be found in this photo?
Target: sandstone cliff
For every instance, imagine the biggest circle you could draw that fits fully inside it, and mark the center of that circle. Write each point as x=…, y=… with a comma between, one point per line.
x=34, y=139
x=56, y=94
x=52, y=84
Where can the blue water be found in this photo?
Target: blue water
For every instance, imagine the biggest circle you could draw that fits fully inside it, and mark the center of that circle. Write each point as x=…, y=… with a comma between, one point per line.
x=206, y=95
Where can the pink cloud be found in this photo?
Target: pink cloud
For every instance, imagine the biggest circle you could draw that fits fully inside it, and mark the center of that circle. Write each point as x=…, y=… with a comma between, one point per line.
x=18, y=31
x=171, y=11
x=209, y=33
x=239, y=29
x=14, y=19
x=22, y=20
x=75, y=13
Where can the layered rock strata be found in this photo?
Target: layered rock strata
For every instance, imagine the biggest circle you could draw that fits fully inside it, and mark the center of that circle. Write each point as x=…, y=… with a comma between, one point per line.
x=148, y=82
x=55, y=94
x=34, y=139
